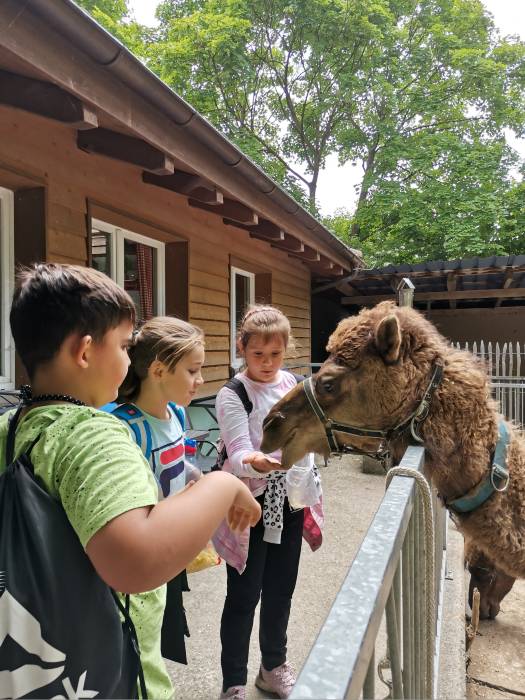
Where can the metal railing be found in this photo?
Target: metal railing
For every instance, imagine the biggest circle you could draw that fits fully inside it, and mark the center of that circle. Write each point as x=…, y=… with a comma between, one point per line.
x=385, y=580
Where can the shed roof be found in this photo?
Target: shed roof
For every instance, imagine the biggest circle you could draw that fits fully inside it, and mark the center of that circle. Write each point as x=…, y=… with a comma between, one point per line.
x=461, y=283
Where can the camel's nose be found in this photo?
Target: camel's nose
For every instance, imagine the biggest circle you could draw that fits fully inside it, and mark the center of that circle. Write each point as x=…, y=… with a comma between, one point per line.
x=273, y=419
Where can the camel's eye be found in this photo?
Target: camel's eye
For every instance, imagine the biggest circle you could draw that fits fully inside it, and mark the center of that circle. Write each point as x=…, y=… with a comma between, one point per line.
x=327, y=385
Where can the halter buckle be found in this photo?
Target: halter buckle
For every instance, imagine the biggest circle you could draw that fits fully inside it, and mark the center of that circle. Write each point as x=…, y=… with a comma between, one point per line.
x=501, y=474
x=422, y=409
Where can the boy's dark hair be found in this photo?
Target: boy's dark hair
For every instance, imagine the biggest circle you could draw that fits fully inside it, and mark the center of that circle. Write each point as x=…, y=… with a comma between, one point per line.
x=52, y=301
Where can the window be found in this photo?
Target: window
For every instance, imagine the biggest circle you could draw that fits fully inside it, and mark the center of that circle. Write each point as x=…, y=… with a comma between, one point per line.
x=242, y=294
x=135, y=262
x=7, y=360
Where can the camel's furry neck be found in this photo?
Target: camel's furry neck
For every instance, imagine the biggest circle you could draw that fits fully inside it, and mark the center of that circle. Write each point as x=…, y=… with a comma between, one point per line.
x=461, y=430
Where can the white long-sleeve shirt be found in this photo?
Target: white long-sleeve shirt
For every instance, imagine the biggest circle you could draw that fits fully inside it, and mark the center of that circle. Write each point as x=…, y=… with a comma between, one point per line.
x=242, y=433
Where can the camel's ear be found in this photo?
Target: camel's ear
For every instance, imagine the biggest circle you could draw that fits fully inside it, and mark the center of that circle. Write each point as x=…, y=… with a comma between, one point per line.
x=388, y=338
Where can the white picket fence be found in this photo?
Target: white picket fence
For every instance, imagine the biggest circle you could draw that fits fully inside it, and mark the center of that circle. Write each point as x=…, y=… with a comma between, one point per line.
x=506, y=367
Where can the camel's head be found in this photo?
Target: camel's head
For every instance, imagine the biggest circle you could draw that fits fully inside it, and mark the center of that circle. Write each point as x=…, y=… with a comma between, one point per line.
x=492, y=583
x=379, y=365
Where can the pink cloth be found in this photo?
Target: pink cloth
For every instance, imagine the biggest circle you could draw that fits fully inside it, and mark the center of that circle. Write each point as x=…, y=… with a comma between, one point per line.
x=242, y=434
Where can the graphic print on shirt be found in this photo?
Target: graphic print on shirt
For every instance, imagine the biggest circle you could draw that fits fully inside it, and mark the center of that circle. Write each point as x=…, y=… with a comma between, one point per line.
x=168, y=465
x=24, y=630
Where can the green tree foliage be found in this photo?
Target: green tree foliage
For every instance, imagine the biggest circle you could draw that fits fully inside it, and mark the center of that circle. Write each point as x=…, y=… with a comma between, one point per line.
x=274, y=74
x=419, y=93
x=115, y=16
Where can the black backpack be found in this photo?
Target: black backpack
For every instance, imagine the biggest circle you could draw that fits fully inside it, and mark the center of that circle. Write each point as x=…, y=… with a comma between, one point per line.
x=238, y=387
x=60, y=629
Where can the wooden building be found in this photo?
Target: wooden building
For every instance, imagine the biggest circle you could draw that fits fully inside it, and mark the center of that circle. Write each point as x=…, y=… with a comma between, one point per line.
x=102, y=164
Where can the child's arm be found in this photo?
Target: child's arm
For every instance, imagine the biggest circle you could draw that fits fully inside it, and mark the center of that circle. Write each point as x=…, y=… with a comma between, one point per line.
x=235, y=433
x=145, y=547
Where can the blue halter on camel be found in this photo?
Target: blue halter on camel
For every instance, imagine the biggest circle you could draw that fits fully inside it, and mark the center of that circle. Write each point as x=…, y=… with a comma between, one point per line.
x=497, y=478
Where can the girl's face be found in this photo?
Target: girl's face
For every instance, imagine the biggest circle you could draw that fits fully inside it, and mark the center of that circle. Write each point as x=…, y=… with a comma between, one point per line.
x=180, y=385
x=264, y=358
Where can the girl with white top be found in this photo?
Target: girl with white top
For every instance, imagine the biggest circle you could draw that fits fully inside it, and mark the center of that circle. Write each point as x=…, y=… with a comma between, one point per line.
x=261, y=563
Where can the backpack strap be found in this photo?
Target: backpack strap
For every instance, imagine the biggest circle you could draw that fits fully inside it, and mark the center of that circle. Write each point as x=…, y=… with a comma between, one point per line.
x=238, y=387
x=179, y=412
x=11, y=433
x=138, y=424
x=128, y=622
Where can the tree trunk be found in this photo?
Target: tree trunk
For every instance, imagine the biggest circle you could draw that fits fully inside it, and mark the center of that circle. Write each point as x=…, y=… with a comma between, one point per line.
x=365, y=187
x=312, y=190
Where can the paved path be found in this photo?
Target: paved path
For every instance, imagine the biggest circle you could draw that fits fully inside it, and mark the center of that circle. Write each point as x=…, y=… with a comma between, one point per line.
x=351, y=499
x=497, y=656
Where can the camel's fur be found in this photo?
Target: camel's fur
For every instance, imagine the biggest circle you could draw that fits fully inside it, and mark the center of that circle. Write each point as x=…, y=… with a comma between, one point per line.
x=379, y=366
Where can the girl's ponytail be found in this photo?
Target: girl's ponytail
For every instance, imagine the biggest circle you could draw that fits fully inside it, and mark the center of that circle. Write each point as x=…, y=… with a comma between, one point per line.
x=130, y=387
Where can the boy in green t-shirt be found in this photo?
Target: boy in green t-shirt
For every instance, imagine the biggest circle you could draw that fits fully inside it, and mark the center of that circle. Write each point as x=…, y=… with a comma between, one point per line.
x=72, y=327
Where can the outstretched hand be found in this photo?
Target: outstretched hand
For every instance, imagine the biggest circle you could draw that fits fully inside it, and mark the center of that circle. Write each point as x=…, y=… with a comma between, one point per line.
x=261, y=462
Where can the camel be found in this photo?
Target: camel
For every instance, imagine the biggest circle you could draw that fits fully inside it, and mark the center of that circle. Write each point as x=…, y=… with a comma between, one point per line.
x=492, y=584
x=387, y=364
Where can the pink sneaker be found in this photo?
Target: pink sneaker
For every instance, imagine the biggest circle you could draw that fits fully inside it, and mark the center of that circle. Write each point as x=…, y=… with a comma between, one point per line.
x=236, y=692
x=280, y=680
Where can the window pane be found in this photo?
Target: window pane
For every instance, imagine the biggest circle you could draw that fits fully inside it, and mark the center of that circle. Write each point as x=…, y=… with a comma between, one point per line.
x=242, y=297
x=101, y=251
x=140, y=277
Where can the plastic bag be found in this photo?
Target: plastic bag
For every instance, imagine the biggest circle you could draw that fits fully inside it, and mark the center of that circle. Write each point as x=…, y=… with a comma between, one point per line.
x=204, y=559
x=301, y=488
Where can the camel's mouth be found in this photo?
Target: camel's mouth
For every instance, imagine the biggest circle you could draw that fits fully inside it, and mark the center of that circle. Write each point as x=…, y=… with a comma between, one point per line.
x=290, y=450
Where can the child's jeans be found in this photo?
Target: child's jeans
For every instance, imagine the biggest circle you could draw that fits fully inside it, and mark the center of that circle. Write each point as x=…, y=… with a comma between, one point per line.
x=271, y=574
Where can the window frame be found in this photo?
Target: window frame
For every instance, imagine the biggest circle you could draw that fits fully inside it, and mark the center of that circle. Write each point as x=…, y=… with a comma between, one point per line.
x=116, y=241
x=235, y=359
x=7, y=266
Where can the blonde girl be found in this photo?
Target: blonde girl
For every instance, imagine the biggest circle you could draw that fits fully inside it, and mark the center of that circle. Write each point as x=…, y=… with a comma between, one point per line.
x=163, y=377
x=268, y=555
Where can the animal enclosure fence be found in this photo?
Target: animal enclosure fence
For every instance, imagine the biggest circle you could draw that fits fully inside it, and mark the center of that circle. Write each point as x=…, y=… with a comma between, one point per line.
x=506, y=367
x=385, y=580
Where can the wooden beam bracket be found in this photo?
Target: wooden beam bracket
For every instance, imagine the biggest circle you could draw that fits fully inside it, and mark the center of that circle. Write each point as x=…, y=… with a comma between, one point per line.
x=236, y=212
x=46, y=100
x=290, y=244
x=308, y=255
x=128, y=149
x=264, y=230
x=187, y=184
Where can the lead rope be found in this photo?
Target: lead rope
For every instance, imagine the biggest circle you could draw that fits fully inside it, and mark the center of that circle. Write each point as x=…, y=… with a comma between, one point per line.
x=424, y=493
